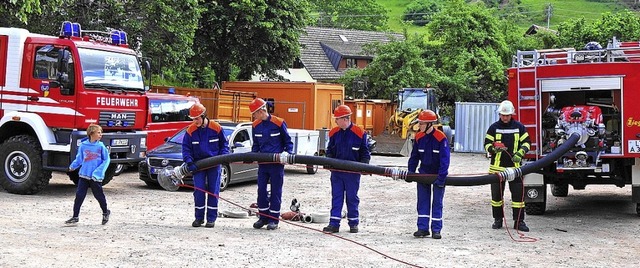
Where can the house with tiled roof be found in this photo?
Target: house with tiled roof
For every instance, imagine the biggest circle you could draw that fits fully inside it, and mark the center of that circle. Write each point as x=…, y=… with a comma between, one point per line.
x=326, y=53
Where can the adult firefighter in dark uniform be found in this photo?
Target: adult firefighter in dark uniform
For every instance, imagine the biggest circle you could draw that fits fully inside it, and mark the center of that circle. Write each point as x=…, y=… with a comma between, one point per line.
x=204, y=138
x=269, y=136
x=346, y=142
x=431, y=150
x=507, y=141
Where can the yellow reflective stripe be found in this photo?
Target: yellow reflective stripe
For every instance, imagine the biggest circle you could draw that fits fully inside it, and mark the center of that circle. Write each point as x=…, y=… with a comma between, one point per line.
x=517, y=204
x=495, y=169
x=524, y=136
x=489, y=137
x=497, y=203
x=527, y=145
x=486, y=147
x=498, y=136
x=516, y=139
x=496, y=159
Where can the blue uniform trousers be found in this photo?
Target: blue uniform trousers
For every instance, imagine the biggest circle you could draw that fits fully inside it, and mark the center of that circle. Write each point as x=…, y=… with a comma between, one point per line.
x=428, y=210
x=269, y=204
x=344, y=184
x=209, y=180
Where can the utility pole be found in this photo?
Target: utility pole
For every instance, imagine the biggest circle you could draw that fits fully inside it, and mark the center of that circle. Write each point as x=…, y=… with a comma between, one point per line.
x=549, y=7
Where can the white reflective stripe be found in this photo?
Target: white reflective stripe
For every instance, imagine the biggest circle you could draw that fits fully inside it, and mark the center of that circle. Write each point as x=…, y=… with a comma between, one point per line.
x=352, y=219
x=274, y=211
x=263, y=209
x=195, y=142
x=212, y=207
x=275, y=134
x=436, y=151
x=214, y=140
x=202, y=207
x=355, y=148
x=421, y=150
x=507, y=131
x=335, y=218
x=259, y=135
x=423, y=216
x=436, y=219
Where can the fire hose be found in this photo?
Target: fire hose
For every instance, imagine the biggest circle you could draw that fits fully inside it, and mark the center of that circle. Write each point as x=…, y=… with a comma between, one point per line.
x=170, y=177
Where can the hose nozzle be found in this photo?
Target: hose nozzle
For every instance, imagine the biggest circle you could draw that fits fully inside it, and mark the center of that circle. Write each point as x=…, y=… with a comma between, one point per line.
x=171, y=177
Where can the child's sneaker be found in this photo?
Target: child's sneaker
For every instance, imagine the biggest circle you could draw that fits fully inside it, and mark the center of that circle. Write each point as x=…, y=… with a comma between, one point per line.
x=73, y=220
x=105, y=217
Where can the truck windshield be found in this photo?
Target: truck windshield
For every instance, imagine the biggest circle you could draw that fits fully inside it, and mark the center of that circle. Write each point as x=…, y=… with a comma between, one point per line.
x=413, y=99
x=110, y=70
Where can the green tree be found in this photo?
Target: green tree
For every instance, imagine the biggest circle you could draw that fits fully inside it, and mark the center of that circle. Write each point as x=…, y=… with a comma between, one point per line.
x=396, y=64
x=250, y=36
x=471, y=55
x=14, y=11
x=421, y=12
x=351, y=14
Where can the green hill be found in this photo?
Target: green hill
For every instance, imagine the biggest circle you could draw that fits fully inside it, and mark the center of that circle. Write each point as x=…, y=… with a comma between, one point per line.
x=535, y=9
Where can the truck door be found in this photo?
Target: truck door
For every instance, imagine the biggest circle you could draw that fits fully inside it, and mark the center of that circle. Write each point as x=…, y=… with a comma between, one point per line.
x=52, y=85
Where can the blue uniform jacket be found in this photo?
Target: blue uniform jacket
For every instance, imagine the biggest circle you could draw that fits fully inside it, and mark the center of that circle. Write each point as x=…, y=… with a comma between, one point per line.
x=349, y=144
x=271, y=136
x=203, y=142
x=432, y=150
x=94, y=159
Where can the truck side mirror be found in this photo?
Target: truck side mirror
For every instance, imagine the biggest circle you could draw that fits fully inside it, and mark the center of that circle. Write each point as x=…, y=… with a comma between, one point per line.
x=63, y=61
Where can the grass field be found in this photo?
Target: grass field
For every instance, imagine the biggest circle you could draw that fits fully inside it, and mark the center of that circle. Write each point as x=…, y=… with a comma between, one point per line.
x=561, y=10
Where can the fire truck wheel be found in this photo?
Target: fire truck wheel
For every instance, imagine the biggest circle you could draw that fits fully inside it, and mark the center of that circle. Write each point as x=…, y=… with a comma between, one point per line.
x=74, y=176
x=22, y=172
x=560, y=190
x=536, y=208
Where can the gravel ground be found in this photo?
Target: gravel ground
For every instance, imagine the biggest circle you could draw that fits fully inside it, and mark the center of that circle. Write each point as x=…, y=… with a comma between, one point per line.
x=596, y=227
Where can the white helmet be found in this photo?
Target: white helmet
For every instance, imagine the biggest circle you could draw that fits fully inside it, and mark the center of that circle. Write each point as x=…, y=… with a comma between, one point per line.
x=506, y=108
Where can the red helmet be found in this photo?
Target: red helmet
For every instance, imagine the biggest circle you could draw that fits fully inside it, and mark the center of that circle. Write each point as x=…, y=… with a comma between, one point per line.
x=341, y=111
x=427, y=116
x=196, y=110
x=256, y=104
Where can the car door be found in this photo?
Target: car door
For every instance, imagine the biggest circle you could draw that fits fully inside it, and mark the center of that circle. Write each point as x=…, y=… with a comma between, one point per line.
x=240, y=142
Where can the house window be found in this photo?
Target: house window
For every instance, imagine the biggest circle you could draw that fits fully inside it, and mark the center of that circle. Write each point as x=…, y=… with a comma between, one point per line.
x=352, y=63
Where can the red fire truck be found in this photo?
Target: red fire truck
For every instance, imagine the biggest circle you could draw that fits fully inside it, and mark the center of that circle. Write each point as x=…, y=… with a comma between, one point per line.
x=52, y=88
x=591, y=92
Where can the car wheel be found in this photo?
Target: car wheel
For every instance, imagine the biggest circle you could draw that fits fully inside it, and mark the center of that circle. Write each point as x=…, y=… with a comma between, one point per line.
x=225, y=177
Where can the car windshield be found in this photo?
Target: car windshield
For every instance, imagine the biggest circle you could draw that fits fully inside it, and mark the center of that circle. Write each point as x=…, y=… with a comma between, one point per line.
x=110, y=70
x=177, y=138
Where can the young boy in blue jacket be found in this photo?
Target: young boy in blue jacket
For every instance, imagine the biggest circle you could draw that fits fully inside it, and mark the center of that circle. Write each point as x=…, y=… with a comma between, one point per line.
x=92, y=159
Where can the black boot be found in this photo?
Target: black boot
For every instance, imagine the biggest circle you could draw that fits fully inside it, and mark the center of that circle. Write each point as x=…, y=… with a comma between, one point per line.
x=497, y=224
x=105, y=217
x=520, y=226
x=331, y=229
x=259, y=223
x=197, y=223
x=421, y=233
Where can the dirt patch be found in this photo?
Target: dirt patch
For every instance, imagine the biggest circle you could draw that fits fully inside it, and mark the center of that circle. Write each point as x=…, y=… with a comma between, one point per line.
x=596, y=227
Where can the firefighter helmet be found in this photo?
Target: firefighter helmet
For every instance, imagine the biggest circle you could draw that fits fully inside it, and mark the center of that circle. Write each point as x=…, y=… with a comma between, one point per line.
x=506, y=108
x=196, y=110
x=257, y=104
x=427, y=116
x=341, y=111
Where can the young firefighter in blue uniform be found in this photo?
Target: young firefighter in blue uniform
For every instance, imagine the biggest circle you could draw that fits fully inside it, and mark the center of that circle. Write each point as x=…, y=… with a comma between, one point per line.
x=346, y=142
x=269, y=136
x=507, y=141
x=431, y=149
x=204, y=138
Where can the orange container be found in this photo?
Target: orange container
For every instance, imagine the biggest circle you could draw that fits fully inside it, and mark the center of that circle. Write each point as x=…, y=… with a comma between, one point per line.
x=372, y=115
x=303, y=105
x=221, y=104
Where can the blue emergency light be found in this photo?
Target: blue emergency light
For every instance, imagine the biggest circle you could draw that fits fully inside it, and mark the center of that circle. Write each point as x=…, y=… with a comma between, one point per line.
x=69, y=29
x=123, y=38
x=66, y=29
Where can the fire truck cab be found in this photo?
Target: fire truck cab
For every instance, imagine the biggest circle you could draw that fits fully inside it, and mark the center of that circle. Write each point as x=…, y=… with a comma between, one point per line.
x=591, y=92
x=52, y=88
